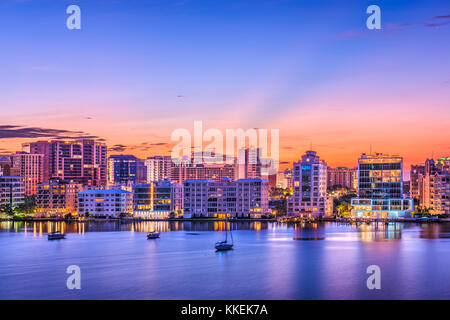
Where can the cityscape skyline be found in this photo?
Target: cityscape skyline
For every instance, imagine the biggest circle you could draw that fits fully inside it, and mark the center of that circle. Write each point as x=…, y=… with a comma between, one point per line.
x=317, y=73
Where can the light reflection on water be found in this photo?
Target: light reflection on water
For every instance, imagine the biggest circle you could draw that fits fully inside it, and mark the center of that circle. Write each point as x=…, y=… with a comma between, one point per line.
x=270, y=260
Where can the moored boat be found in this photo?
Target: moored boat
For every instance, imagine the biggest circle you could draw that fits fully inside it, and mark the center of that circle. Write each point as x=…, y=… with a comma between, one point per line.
x=56, y=235
x=152, y=235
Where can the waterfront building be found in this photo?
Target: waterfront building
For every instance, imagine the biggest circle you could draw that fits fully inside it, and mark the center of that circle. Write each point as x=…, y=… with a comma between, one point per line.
x=309, y=197
x=122, y=169
x=244, y=198
x=380, y=188
x=341, y=177
x=158, y=199
x=81, y=161
x=31, y=169
x=57, y=198
x=216, y=172
x=43, y=148
x=12, y=193
x=158, y=168
x=434, y=186
x=249, y=163
x=109, y=203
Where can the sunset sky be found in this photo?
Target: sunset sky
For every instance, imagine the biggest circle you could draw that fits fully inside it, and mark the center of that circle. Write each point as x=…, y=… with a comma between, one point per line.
x=137, y=70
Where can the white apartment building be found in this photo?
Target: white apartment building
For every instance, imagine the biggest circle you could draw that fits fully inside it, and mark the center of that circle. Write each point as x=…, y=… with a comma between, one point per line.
x=158, y=168
x=105, y=203
x=310, y=187
x=245, y=198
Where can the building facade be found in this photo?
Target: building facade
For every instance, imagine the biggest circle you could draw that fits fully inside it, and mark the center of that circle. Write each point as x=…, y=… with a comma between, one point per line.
x=158, y=168
x=244, y=198
x=380, y=188
x=434, y=186
x=309, y=197
x=105, y=203
x=157, y=200
x=183, y=172
x=31, y=169
x=12, y=193
x=341, y=177
x=57, y=198
x=122, y=169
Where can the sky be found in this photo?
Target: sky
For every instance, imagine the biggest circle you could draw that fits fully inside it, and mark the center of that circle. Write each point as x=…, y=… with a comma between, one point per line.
x=137, y=70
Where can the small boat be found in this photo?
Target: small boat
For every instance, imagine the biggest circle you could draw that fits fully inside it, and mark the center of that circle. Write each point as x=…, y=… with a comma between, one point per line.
x=153, y=235
x=225, y=245
x=56, y=235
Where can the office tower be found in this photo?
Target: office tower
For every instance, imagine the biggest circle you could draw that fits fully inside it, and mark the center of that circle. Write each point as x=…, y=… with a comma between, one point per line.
x=380, y=188
x=310, y=187
x=341, y=177
x=57, y=198
x=105, y=203
x=40, y=147
x=30, y=168
x=156, y=200
x=245, y=198
x=11, y=191
x=122, y=169
x=434, y=186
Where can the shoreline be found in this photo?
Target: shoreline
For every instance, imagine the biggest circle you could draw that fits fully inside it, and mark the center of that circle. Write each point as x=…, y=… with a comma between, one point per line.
x=279, y=220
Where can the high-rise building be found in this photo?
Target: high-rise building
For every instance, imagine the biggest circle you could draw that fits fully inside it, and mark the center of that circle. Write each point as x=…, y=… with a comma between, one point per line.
x=40, y=147
x=416, y=172
x=105, y=203
x=245, y=198
x=156, y=200
x=31, y=170
x=57, y=198
x=122, y=169
x=81, y=161
x=380, y=188
x=11, y=191
x=249, y=164
x=309, y=197
x=341, y=177
x=434, y=186
x=158, y=168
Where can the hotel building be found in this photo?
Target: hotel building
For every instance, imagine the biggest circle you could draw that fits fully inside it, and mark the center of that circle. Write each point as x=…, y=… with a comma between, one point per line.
x=105, y=203
x=31, y=169
x=57, y=198
x=158, y=168
x=11, y=191
x=156, y=200
x=380, y=188
x=244, y=198
x=309, y=197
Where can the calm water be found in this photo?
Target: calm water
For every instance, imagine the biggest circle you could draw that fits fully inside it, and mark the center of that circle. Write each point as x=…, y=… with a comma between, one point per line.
x=270, y=261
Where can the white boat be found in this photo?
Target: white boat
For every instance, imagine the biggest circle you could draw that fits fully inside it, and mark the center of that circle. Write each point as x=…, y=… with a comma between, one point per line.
x=153, y=235
x=56, y=235
x=225, y=245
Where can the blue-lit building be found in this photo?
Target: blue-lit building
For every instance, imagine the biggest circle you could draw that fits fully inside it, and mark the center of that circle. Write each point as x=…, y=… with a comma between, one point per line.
x=380, y=188
x=123, y=169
